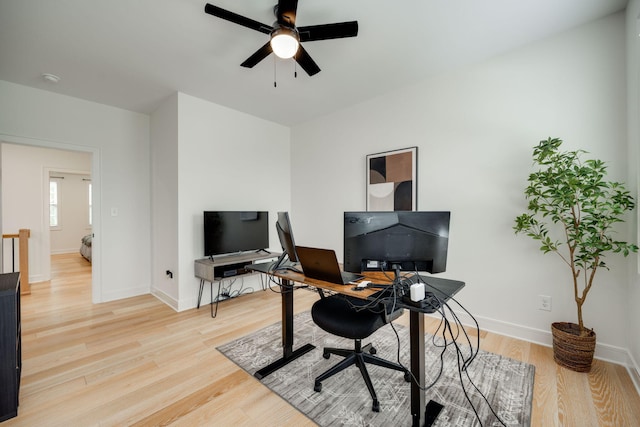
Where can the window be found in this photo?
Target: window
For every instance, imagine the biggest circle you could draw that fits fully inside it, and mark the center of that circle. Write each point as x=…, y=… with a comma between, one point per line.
x=54, y=215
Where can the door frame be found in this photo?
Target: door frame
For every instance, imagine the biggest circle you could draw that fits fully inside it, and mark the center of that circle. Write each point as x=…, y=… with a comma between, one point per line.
x=96, y=252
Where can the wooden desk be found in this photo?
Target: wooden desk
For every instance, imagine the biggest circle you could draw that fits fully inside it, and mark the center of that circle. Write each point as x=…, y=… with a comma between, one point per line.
x=443, y=288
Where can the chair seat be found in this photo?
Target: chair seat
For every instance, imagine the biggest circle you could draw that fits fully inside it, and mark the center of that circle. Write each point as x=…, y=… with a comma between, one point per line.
x=335, y=315
x=339, y=315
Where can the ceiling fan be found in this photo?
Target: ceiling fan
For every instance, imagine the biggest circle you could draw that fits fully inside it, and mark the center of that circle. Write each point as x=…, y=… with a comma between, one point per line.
x=285, y=37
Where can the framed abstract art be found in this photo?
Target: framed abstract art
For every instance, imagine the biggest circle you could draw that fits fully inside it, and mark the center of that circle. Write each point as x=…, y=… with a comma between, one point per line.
x=391, y=180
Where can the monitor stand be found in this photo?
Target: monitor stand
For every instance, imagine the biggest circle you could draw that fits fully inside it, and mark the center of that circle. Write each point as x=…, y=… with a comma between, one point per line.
x=283, y=263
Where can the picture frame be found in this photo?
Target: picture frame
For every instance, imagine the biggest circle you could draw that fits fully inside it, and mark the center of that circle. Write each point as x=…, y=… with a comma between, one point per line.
x=392, y=180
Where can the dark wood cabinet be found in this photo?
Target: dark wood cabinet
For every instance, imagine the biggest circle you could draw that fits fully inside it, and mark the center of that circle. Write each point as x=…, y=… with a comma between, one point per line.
x=10, y=345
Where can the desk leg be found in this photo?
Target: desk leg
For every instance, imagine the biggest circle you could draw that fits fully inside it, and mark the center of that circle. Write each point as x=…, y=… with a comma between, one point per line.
x=287, y=319
x=416, y=329
x=288, y=354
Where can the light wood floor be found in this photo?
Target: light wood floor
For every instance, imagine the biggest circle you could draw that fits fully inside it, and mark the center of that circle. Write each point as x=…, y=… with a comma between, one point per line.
x=137, y=362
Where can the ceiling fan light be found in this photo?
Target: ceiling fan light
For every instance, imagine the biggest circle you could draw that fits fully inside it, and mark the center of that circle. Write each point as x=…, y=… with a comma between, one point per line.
x=284, y=42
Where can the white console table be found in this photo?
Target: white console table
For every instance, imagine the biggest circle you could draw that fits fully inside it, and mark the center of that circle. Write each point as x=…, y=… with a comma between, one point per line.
x=226, y=267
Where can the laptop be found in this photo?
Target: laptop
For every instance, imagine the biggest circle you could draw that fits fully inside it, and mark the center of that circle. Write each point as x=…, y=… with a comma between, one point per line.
x=322, y=264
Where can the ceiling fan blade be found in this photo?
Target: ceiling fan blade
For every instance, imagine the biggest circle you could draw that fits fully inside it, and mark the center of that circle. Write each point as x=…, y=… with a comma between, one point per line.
x=237, y=19
x=258, y=56
x=306, y=62
x=328, y=31
x=286, y=12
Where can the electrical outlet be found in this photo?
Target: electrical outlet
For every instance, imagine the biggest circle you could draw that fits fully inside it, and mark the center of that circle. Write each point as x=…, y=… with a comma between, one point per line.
x=544, y=302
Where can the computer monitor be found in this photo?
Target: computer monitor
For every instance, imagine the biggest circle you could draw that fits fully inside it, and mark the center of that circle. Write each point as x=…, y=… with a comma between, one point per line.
x=396, y=240
x=289, y=257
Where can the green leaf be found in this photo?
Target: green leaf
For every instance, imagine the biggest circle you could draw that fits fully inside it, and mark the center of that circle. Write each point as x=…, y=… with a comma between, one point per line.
x=568, y=194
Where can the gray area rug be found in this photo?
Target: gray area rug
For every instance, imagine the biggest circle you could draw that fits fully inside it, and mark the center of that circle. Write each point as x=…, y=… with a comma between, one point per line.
x=344, y=400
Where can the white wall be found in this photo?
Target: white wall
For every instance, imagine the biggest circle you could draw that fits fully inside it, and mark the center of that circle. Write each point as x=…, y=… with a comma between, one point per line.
x=25, y=172
x=223, y=160
x=633, y=115
x=118, y=141
x=164, y=201
x=475, y=130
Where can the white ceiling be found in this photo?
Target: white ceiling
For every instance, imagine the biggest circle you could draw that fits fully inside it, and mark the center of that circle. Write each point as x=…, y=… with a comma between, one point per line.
x=133, y=53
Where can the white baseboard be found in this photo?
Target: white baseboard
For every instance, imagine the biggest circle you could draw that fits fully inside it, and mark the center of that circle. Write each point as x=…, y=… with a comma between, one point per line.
x=37, y=278
x=606, y=352
x=167, y=299
x=66, y=251
x=127, y=293
x=192, y=302
x=634, y=372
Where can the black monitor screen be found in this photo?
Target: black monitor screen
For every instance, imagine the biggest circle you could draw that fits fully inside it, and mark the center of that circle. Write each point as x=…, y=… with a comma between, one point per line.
x=285, y=234
x=234, y=231
x=384, y=241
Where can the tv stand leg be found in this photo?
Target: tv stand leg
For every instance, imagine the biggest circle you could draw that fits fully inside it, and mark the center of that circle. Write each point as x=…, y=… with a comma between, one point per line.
x=200, y=292
x=211, y=302
x=217, y=298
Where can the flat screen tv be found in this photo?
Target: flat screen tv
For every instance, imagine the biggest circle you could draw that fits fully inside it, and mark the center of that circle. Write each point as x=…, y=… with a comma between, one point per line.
x=227, y=232
x=397, y=240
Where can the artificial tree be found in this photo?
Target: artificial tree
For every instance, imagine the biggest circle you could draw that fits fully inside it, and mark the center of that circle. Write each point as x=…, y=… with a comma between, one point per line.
x=572, y=211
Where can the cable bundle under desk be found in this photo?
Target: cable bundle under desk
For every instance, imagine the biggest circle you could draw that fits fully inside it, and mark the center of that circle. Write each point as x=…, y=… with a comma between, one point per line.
x=447, y=333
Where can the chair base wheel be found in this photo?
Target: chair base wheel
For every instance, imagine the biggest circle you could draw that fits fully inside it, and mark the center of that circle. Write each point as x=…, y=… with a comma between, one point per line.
x=326, y=355
x=373, y=350
x=317, y=387
x=407, y=376
x=376, y=406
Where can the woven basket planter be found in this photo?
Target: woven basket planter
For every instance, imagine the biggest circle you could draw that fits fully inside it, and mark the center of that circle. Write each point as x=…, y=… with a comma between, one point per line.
x=571, y=350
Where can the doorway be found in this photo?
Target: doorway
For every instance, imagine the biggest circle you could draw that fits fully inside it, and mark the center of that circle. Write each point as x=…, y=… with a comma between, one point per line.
x=24, y=188
x=68, y=199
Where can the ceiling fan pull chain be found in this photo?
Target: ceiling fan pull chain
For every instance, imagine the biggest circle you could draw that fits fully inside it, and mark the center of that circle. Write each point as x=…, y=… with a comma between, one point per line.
x=274, y=72
x=295, y=70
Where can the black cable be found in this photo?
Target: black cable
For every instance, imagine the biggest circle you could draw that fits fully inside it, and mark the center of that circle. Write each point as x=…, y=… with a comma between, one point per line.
x=281, y=287
x=383, y=299
x=226, y=292
x=463, y=362
x=458, y=322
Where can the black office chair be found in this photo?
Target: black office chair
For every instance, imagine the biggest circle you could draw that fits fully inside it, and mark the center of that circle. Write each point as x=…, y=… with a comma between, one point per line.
x=336, y=315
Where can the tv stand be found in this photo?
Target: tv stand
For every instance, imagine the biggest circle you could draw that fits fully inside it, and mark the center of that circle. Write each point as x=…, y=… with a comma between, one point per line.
x=225, y=267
